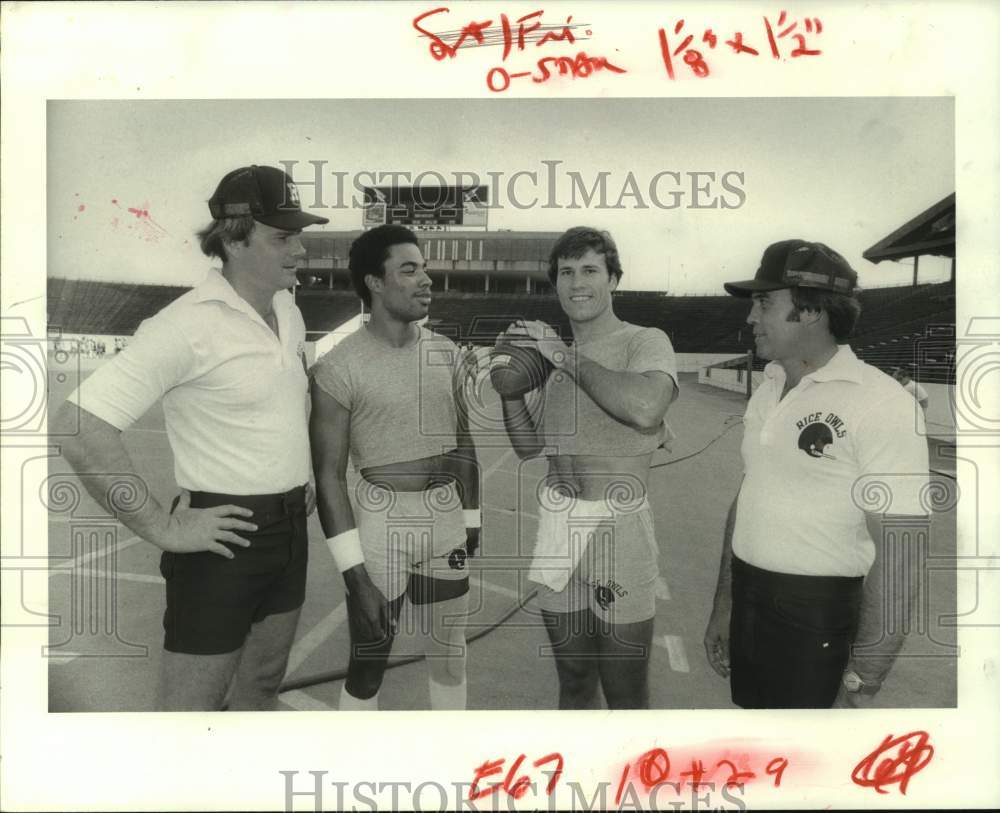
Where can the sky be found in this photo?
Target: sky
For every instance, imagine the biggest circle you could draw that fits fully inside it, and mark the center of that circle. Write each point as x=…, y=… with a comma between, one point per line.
x=128, y=181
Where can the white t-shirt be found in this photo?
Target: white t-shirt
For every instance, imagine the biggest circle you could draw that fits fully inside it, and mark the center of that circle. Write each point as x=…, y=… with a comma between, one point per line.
x=234, y=394
x=846, y=440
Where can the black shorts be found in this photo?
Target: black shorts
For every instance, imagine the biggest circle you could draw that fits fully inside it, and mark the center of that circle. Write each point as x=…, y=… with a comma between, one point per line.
x=212, y=601
x=790, y=637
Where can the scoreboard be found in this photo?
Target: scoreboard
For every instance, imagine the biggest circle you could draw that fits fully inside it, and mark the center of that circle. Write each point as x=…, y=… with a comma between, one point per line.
x=426, y=206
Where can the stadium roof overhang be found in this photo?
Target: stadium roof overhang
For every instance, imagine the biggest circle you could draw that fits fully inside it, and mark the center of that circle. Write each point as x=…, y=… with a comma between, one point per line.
x=930, y=232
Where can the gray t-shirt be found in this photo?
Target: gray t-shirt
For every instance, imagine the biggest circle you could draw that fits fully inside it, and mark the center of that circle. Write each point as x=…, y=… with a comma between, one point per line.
x=573, y=424
x=401, y=399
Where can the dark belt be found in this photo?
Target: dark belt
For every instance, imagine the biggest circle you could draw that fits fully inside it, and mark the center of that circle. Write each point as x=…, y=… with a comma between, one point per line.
x=267, y=508
x=820, y=587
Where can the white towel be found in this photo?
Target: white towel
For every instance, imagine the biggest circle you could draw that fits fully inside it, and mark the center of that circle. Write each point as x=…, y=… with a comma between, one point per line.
x=560, y=544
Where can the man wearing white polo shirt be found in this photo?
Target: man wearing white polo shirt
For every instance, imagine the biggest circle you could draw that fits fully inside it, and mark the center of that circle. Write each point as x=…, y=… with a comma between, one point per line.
x=803, y=565
x=226, y=359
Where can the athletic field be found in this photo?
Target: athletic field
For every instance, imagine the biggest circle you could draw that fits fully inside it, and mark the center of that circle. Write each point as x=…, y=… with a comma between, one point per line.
x=107, y=597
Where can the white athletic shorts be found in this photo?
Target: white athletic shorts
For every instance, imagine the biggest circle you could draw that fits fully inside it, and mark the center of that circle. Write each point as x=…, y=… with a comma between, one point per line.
x=410, y=532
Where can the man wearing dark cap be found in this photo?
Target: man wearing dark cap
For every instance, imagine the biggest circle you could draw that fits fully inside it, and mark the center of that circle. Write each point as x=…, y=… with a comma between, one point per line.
x=803, y=562
x=227, y=360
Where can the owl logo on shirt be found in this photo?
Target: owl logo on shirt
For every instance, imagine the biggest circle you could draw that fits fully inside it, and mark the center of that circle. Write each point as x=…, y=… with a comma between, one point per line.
x=815, y=438
x=456, y=559
x=604, y=596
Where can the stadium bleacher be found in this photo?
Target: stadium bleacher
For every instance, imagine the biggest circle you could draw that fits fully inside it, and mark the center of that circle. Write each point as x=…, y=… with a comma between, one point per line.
x=899, y=325
x=106, y=308
x=324, y=311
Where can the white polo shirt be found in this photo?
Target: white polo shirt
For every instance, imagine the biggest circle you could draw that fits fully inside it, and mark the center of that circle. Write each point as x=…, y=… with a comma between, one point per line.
x=234, y=394
x=846, y=439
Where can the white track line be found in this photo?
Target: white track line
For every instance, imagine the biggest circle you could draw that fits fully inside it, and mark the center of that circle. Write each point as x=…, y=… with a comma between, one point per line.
x=97, y=554
x=675, y=652
x=496, y=464
x=100, y=574
x=316, y=637
x=62, y=660
x=300, y=701
x=510, y=511
x=479, y=581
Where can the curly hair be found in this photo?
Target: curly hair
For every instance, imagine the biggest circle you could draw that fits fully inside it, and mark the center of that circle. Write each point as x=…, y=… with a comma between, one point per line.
x=369, y=252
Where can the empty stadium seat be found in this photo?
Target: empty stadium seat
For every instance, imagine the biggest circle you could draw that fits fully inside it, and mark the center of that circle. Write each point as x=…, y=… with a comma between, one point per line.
x=900, y=325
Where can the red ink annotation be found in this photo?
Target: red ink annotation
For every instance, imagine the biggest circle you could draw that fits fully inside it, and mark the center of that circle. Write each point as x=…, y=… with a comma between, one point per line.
x=894, y=762
x=579, y=67
x=651, y=769
x=517, y=36
x=785, y=38
x=529, y=30
x=514, y=784
x=692, y=51
x=654, y=768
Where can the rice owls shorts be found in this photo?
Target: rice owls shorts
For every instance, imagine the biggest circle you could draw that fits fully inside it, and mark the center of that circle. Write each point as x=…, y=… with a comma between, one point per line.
x=405, y=533
x=598, y=555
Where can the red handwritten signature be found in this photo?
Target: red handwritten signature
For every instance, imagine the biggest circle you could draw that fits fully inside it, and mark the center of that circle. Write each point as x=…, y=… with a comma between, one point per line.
x=895, y=761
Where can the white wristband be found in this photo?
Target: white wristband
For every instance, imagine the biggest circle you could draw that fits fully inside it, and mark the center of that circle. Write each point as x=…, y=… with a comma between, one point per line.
x=346, y=549
x=473, y=517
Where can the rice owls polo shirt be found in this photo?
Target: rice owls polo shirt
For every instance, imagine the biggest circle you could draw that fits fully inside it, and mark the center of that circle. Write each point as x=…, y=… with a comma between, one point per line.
x=815, y=460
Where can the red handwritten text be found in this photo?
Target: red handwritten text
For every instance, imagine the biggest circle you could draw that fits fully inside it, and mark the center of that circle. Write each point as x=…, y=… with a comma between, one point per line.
x=526, y=29
x=514, y=785
x=811, y=25
x=579, y=67
x=895, y=761
x=730, y=769
x=515, y=36
x=686, y=46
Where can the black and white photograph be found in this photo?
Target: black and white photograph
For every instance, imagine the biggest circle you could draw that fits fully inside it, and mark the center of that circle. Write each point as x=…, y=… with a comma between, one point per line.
x=583, y=505
x=635, y=428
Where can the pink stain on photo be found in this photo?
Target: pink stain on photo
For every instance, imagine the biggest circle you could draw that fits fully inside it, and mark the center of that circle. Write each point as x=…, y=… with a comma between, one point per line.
x=150, y=231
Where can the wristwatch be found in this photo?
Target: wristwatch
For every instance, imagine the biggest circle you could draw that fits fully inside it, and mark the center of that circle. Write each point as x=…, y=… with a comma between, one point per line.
x=854, y=684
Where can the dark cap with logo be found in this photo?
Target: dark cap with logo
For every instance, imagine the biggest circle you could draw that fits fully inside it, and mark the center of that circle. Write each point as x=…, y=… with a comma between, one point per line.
x=798, y=264
x=267, y=194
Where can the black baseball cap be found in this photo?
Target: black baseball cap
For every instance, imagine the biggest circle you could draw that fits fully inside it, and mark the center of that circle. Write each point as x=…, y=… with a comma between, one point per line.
x=266, y=193
x=798, y=264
